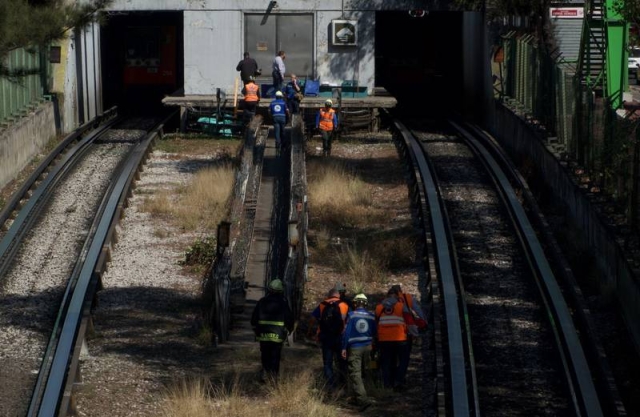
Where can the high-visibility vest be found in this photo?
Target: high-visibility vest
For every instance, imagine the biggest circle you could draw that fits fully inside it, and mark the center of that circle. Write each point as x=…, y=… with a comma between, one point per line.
x=271, y=331
x=326, y=119
x=391, y=327
x=251, y=92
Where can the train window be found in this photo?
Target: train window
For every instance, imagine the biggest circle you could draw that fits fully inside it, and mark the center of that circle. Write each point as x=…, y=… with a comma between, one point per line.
x=143, y=47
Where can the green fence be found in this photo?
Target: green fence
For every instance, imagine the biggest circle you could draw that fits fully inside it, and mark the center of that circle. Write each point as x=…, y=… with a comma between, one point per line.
x=24, y=87
x=600, y=144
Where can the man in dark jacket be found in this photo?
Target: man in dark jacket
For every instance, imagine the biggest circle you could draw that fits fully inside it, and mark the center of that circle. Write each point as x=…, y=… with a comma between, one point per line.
x=272, y=320
x=330, y=335
x=248, y=67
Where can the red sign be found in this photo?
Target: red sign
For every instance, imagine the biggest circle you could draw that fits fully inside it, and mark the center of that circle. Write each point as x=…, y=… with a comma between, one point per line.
x=566, y=12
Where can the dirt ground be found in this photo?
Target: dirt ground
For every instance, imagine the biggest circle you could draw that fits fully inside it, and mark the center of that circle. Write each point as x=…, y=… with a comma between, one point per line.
x=375, y=160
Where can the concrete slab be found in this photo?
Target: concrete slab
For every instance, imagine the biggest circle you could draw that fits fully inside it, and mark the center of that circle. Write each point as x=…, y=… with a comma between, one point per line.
x=259, y=253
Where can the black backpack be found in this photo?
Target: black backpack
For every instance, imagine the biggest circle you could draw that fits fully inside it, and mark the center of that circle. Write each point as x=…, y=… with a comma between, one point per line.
x=331, y=323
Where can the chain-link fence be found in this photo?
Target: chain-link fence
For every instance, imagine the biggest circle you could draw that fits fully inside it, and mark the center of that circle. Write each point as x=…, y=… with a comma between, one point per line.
x=598, y=142
x=23, y=82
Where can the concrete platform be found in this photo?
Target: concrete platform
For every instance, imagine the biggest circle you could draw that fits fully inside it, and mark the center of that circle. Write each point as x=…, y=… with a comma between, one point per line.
x=372, y=104
x=228, y=103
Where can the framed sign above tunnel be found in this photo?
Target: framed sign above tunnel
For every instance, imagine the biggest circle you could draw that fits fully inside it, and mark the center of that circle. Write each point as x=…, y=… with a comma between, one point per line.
x=343, y=32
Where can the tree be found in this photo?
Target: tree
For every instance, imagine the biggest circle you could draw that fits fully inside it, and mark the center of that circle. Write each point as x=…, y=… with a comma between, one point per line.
x=30, y=23
x=630, y=12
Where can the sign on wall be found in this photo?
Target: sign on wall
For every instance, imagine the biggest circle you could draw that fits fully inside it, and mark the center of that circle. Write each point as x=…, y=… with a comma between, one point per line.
x=566, y=12
x=343, y=32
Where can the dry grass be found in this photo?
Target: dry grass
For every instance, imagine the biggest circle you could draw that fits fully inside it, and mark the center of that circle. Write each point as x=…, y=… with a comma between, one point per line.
x=339, y=196
x=200, y=204
x=295, y=395
x=359, y=265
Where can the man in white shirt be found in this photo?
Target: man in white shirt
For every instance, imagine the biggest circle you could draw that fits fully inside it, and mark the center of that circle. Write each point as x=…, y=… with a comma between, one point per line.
x=278, y=71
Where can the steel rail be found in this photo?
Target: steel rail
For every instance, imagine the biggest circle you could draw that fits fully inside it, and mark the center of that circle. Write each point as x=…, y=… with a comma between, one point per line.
x=584, y=395
x=28, y=214
x=611, y=400
x=77, y=134
x=457, y=363
x=45, y=367
x=473, y=387
x=65, y=351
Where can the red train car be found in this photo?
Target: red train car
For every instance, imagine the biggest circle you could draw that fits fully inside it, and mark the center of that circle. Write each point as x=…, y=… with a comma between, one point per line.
x=150, y=57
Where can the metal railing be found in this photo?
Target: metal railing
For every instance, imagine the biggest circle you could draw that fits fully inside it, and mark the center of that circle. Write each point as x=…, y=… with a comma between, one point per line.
x=599, y=143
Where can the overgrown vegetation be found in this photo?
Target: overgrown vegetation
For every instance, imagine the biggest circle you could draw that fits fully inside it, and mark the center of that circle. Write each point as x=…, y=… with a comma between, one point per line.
x=630, y=12
x=339, y=197
x=201, y=204
x=297, y=394
x=26, y=23
x=351, y=225
x=202, y=252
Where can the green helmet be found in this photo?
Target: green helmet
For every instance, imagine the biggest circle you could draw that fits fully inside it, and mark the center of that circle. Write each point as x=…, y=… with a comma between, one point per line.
x=276, y=285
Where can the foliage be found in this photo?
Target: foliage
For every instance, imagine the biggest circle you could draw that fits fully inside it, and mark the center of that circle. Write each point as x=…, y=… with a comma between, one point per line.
x=202, y=252
x=499, y=8
x=628, y=9
x=26, y=23
x=630, y=12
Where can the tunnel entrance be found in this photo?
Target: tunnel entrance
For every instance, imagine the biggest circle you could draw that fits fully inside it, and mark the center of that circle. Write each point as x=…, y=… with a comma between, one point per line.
x=419, y=59
x=142, y=60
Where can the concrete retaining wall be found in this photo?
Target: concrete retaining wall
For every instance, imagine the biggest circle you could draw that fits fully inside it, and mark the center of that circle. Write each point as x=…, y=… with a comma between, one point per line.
x=521, y=141
x=21, y=141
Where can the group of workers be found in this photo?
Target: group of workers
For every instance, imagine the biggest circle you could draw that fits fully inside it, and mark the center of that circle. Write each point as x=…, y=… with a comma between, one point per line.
x=286, y=102
x=350, y=336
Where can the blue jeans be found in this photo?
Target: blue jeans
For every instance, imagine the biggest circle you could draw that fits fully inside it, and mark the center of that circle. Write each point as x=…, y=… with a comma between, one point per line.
x=394, y=361
x=332, y=351
x=278, y=129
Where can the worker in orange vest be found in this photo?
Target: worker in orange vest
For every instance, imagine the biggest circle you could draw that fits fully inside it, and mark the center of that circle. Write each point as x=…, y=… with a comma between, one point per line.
x=327, y=122
x=251, y=93
x=392, y=341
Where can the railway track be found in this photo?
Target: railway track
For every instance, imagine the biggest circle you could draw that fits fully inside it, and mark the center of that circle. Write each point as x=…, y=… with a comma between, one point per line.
x=58, y=230
x=510, y=344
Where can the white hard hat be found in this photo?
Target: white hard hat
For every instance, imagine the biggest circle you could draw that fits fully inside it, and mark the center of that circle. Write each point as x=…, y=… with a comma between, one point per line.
x=360, y=297
x=279, y=94
x=328, y=103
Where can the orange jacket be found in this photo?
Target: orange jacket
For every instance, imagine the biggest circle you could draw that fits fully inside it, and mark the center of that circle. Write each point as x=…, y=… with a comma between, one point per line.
x=326, y=119
x=251, y=92
x=317, y=313
x=391, y=327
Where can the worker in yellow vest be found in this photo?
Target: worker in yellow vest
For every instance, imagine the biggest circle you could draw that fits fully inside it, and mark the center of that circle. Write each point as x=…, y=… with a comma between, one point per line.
x=327, y=122
x=272, y=320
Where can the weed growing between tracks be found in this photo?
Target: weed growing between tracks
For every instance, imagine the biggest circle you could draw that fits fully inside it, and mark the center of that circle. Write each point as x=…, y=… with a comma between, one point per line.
x=297, y=394
x=201, y=204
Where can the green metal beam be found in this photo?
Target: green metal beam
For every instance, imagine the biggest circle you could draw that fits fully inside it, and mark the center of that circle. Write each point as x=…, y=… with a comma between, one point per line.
x=616, y=56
